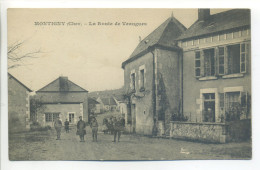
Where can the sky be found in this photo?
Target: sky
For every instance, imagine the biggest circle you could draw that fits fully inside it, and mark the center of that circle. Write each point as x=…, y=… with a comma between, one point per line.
x=90, y=55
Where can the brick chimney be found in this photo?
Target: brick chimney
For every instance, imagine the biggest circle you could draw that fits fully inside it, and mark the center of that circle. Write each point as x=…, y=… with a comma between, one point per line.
x=203, y=14
x=64, y=86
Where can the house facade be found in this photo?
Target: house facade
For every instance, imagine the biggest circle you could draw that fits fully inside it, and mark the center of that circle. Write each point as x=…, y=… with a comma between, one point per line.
x=201, y=75
x=217, y=65
x=18, y=105
x=62, y=98
x=152, y=81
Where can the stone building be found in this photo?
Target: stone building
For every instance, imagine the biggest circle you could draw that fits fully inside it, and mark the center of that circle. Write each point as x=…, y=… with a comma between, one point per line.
x=152, y=79
x=201, y=75
x=18, y=105
x=62, y=98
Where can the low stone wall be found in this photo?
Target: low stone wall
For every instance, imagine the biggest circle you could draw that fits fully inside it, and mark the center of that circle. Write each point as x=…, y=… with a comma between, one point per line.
x=211, y=132
x=208, y=132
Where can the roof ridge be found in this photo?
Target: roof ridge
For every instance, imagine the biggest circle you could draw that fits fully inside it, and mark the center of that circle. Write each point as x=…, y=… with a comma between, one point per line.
x=40, y=90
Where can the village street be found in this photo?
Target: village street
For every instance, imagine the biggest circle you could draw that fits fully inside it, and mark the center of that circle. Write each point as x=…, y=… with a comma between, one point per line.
x=44, y=146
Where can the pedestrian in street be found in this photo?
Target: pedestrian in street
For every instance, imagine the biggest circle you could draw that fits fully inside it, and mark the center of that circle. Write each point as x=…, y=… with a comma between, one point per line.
x=105, y=126
x=67, y=123
x=81, y=129
x=117, y=127
x=94, y=126
x=57, y=126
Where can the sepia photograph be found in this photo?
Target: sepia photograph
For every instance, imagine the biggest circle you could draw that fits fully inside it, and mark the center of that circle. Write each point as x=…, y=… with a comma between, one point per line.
x=129, y=84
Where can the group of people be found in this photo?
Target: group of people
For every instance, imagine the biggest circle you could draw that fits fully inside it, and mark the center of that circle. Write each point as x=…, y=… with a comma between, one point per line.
x=113, y=125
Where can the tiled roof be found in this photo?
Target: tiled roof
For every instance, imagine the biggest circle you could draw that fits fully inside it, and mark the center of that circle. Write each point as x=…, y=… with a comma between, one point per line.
x=108, y=101
x=165, y=35
x=62, y=84
x=57, y=97
x=92, y=101
x=11, y=76
x=219, y=22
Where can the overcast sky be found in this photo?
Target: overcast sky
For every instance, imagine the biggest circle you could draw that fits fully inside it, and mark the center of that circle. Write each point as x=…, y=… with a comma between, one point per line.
x=91, y=56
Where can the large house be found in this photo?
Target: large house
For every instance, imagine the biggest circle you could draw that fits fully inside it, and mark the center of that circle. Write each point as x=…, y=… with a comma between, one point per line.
x=18, y=105
x=62, y=98
x=201, y=75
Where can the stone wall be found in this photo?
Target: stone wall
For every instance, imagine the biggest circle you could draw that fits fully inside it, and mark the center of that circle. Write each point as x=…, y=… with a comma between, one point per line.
x=18, y=106
x=211, y=132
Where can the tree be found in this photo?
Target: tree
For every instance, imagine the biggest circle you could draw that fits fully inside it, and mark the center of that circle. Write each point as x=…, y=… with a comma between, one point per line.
x=16, y=57
x=36, y=105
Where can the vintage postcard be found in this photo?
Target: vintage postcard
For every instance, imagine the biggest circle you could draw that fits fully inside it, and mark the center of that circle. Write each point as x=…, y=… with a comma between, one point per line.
x=129, y=84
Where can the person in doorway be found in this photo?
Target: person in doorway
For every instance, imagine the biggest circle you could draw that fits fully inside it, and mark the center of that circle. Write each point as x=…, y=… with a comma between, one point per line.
x=81, y=129
x=57, y=126
x=66, y=124
x=94, y=127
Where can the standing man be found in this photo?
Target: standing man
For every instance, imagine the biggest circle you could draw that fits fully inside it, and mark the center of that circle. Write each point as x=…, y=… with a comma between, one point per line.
x=58, y=125
x=67, y=123
x=81, y=129
x=94, y=126
x=117, y=129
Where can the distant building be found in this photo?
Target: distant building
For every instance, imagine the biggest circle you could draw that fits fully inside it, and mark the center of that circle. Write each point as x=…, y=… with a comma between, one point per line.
x=107, y=103
x=62, y=98
x=201, y=75
x=18, y=105
x=93, y=106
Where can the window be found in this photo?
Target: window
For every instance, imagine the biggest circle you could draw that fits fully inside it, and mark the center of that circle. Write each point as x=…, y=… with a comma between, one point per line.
x=209, y=62
x=133, y=81
x=71, y=117
x=233, y=59
x=50, y=117
x=236, y=106
x=197, y=64
x=142, y=80
x=224, y=60
x=232, y=103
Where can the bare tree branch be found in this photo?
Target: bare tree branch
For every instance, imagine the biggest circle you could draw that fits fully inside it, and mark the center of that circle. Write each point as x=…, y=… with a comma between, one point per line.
x=16, y=58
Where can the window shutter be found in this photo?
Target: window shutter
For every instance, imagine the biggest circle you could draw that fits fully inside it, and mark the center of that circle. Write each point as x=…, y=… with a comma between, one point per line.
x=243, y=57
x=216, y=61
x=202, y=69
x=243, y=103
x=197, y=64
x=225, y=60
x=131, y=81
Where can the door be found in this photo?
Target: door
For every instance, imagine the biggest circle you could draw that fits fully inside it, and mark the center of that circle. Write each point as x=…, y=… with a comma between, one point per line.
x=209, y=107
x=71, y=118
x=133, y=114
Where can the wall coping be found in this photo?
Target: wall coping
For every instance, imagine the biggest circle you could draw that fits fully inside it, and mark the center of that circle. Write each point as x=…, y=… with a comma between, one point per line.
x=199, y=123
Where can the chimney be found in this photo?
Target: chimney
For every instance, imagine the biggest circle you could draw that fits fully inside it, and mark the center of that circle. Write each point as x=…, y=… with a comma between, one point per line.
x=64, y=86
x=203, y=14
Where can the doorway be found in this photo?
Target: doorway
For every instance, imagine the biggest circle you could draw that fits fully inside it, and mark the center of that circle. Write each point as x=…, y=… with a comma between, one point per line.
x=209, y=107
